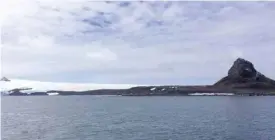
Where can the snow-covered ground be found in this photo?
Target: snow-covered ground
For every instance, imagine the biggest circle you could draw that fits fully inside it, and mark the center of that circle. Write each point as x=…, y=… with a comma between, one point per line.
x=211, y=94
x=44, y=86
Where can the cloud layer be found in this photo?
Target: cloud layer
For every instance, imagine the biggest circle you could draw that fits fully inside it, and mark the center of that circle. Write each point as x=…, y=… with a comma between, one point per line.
x=135, y=42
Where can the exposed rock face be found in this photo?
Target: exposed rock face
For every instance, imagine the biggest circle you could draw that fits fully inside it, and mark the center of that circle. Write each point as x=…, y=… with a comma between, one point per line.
x=242, y=74
x=242, y=69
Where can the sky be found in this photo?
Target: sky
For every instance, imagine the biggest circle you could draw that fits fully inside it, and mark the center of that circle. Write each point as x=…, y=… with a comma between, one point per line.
x=134, y=42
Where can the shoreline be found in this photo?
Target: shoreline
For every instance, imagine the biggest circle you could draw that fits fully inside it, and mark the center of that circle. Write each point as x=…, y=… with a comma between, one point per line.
x=242, y=80
x=147, y=93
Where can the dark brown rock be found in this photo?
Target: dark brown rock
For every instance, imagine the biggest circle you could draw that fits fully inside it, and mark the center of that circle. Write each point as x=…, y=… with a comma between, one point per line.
x=242, y=69
x=243, y=74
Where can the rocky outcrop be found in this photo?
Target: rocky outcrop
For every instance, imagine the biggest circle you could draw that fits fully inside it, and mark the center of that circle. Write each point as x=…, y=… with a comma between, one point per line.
x=243, y=74
x=5, y=79
x=242, y=69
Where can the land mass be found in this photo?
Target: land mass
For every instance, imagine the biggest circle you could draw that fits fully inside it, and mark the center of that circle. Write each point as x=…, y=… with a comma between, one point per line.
x=242, y=79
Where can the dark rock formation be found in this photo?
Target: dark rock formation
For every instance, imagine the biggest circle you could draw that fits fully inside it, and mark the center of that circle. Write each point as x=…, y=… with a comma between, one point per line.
x=243, y=74
x=242, y=69
x=5, y=79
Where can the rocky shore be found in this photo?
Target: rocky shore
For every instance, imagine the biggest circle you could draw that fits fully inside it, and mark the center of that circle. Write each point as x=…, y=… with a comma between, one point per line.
x=242, y=79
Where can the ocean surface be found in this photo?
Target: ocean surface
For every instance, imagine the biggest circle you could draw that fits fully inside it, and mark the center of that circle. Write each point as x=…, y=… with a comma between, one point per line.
x=137, y=118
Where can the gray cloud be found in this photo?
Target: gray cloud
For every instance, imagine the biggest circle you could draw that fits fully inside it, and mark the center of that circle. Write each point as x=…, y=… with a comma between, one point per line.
x=140, y=43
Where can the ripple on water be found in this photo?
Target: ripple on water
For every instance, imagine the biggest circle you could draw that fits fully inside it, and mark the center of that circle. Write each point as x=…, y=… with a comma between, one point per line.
x=138, y=118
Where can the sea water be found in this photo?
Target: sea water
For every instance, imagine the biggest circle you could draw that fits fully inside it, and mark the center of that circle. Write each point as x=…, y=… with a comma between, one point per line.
x=138, y=118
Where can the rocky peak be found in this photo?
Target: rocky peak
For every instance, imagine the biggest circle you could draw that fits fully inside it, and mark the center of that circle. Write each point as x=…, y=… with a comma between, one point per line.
x=5, y=79
x=243, y=72
x=242, y=68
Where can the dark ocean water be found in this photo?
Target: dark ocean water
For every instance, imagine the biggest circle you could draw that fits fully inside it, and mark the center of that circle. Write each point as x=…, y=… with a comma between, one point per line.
x=137, y=118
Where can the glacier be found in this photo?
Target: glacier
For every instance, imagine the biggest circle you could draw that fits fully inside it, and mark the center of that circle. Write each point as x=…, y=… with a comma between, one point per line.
x=29, y=86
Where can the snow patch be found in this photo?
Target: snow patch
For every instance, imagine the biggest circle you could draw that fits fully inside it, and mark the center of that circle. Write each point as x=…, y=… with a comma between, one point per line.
x=152, y=89
x=53, y=93
x=211, y=94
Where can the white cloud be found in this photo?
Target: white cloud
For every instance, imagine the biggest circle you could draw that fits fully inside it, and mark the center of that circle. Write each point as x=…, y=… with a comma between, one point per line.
x=139, y=43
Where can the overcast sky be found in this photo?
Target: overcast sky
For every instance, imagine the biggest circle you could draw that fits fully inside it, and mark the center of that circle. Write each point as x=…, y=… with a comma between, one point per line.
x=134, y=42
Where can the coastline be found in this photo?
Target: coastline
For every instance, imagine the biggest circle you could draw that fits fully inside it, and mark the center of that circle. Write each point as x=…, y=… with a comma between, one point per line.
x=157, y=91
x=242, y=80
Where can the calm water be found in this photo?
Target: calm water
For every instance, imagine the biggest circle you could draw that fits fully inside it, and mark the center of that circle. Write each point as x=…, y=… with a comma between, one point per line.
x=138, y=118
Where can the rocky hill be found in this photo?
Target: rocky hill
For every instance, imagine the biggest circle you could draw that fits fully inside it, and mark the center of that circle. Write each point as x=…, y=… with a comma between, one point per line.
x=243, y=74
